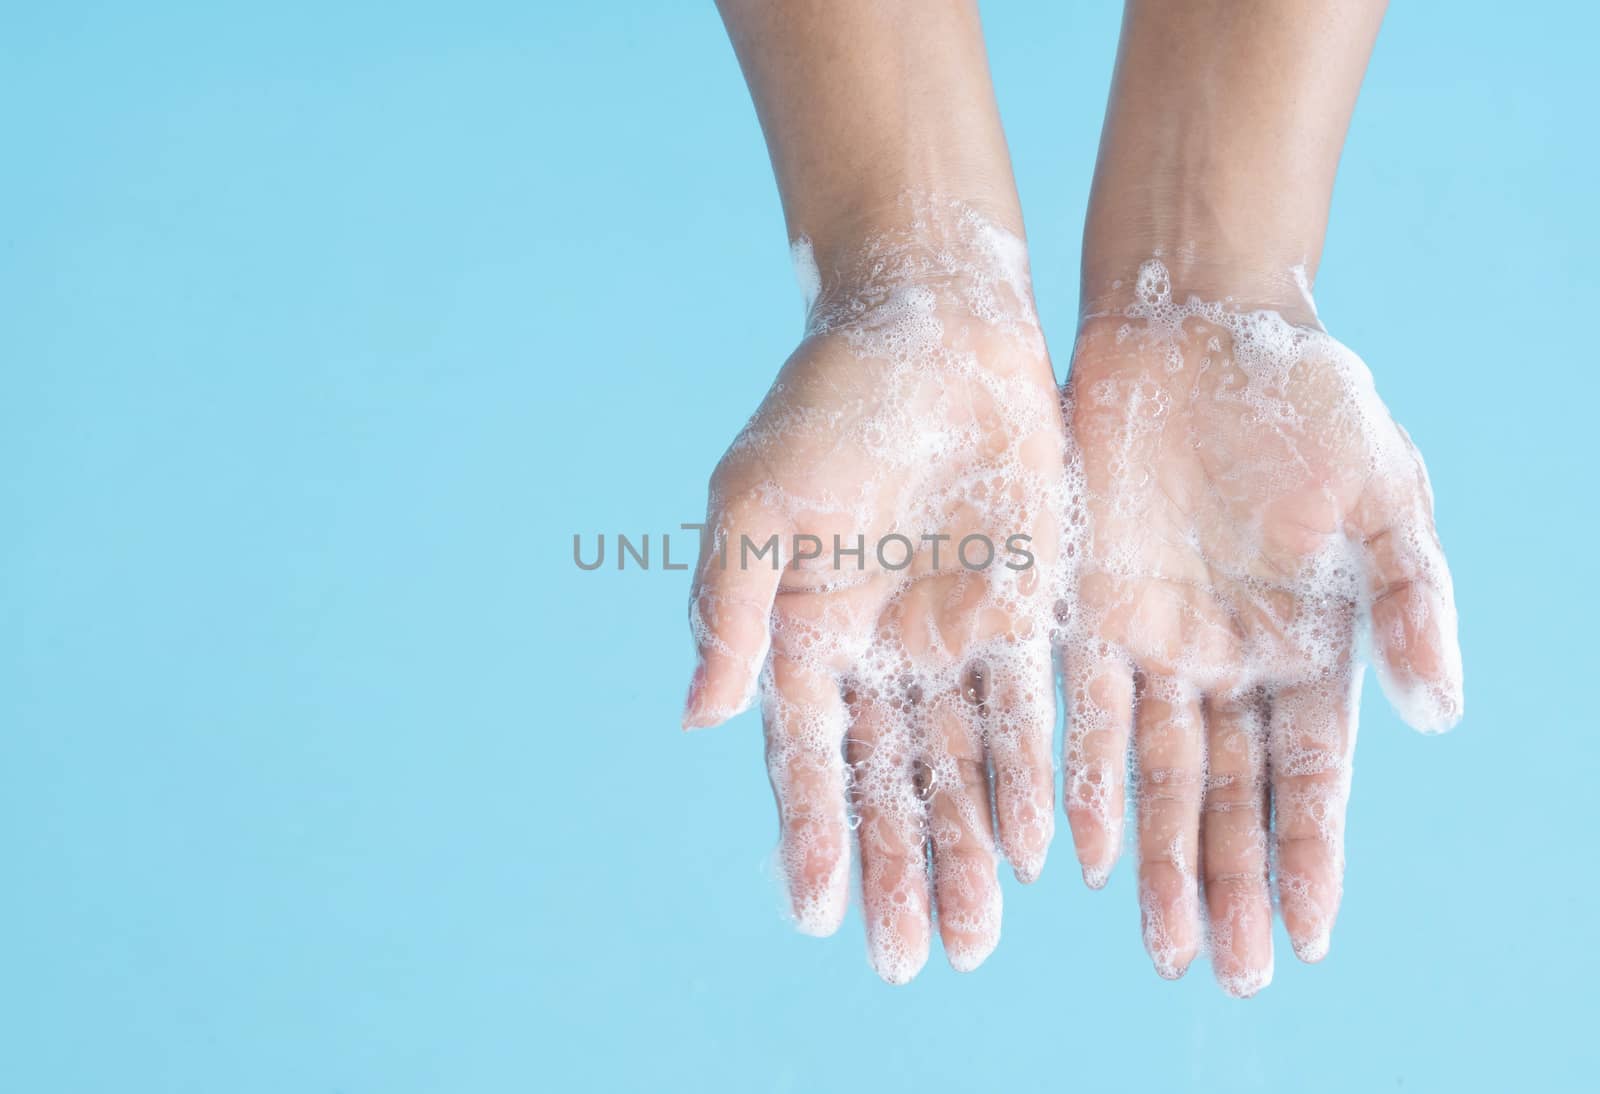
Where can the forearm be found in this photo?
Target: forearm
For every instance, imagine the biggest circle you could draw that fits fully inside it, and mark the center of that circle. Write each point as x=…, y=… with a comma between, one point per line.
x=1221, y=141
x=866, y=101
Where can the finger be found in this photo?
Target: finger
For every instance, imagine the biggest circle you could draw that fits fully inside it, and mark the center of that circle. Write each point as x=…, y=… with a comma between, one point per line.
x=1414, y=626
x=890, y=809
x=730, y=608
x=966, y=888
x=1233, y=844
x=1412, y=602
x=1310, y=745
x=1170, y=750
x=805, y=719
x=1021, y=723
x=1099, y=694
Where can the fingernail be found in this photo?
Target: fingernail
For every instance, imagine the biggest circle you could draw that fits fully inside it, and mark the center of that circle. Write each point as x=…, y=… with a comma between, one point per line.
x=1026, y=866
x=692, y=714
x=1243, y=985
x=966, y=957
x=1095, y=877
x=1313, y=947
x=819, y=904
x=896, y=967
x=1170, y=971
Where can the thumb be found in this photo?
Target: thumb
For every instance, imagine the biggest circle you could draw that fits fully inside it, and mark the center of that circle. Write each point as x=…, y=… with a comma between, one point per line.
x=1417, y=651
x=730, y=609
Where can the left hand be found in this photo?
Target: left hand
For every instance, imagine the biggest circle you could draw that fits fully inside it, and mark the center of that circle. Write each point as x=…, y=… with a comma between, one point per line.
x=1247, y=509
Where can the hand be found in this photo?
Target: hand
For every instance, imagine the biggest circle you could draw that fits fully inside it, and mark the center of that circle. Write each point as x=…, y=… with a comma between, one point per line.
x=897, y=682
x=1246, y=507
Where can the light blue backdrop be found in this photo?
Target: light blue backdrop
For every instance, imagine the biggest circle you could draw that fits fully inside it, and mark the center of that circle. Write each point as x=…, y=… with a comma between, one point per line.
x=322, y=329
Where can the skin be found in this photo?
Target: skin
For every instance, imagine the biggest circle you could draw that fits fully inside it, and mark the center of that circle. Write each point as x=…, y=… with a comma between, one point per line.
x=1221, y=142
x=1219, y=152
x=862, y=102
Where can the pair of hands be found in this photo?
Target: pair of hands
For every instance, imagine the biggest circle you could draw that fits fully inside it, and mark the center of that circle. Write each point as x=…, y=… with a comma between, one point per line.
x=1215, y=507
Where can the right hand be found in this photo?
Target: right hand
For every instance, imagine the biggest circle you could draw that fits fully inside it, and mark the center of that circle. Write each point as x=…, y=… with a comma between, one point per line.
x=920, y=404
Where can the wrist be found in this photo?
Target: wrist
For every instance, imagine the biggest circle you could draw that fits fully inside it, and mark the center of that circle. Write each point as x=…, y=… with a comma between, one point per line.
x=1112, y=283
x=920, y=251
x=1219, y=238
x=929, y=213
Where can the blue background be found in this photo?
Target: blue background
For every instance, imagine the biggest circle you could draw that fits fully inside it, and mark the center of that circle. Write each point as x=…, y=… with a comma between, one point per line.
x=323, y=327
